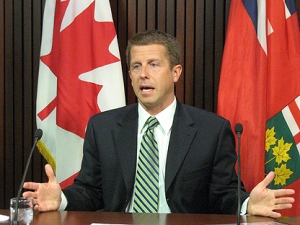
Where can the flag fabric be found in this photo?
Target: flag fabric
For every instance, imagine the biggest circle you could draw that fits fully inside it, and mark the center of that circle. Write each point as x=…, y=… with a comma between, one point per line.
x=80, y=75
x=260, y=87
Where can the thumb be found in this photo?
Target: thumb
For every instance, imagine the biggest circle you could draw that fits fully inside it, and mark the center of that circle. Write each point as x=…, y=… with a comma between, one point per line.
x=268, y=179
x=50, y=174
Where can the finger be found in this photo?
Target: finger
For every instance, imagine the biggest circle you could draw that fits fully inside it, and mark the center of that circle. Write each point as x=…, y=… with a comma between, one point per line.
x=31, y=185
x=268, y=179
x=282, y=206
x=283, y=192
x=274, y=214
x=35, y=201
x=36, y=207
x=286, y=200
x=50, y=174
x=28, y=194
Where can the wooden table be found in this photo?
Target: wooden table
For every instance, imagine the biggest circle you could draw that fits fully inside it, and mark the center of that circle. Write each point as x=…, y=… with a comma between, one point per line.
x=87, y=218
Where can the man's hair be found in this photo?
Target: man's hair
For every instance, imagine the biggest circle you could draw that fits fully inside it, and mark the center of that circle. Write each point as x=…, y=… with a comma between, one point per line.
x=170, y=43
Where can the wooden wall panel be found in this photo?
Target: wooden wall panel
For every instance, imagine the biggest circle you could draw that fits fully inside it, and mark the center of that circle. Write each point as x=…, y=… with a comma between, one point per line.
x=8, y=104
x=2, y=99
x=199, y=25
x=20, y=37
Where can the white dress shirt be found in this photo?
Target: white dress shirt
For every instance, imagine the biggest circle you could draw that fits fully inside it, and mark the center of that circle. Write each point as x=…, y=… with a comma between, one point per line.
x=162, y=134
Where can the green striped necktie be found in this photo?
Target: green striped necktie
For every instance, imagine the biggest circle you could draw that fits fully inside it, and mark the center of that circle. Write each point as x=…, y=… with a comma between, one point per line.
x=146, y=184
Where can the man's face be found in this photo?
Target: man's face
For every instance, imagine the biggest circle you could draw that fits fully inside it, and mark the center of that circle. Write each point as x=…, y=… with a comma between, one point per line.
x=151, y=77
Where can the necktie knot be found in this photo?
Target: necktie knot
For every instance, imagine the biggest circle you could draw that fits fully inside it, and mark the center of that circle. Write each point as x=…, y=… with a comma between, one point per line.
x=152, y=122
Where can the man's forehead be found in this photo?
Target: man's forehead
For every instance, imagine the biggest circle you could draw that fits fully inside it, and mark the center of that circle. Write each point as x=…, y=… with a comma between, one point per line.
x=148, y=46
x=148, y=51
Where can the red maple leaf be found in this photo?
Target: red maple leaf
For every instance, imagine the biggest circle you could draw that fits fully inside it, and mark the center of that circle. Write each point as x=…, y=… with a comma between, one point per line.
x=80, y=47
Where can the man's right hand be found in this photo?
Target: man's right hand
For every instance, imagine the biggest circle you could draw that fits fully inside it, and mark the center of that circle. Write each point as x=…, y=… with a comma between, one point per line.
x=47, y=196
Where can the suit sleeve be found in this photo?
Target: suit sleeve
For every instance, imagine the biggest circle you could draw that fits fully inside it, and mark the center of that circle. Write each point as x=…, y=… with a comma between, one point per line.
x=223, y=187
x=85, y=194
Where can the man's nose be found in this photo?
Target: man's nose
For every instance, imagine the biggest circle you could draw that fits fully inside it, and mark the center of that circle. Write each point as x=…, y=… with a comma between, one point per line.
x=144, y=72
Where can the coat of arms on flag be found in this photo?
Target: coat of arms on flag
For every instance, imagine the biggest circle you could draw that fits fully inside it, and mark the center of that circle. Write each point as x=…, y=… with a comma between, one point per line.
x=283, y=145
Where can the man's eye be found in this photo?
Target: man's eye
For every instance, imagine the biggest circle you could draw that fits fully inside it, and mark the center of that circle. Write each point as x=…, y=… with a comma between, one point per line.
x=135, y=67
x=153, y=64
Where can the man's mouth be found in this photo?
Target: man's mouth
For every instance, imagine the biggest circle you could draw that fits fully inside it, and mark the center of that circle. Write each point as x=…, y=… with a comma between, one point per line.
x=146, y=88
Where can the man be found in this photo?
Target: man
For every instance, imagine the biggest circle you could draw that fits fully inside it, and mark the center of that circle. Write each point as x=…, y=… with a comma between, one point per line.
x=196, y=149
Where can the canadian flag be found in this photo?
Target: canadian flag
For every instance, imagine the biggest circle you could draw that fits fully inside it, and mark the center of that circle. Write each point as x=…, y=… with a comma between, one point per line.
x=80, y=75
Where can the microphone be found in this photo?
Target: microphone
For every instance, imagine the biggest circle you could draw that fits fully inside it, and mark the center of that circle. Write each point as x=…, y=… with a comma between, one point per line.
x=239, y=130
x=37, y=136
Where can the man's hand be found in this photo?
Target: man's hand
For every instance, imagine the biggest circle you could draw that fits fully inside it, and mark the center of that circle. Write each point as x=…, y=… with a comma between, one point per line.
x=266, y=202
x=47, y=196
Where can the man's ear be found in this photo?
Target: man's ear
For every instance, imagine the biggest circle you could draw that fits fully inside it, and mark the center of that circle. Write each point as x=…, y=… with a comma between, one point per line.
x=177, y=70
x=129, y=73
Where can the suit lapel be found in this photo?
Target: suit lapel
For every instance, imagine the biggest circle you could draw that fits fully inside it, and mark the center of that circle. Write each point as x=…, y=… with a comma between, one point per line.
x=125, y=138
x=182, y=135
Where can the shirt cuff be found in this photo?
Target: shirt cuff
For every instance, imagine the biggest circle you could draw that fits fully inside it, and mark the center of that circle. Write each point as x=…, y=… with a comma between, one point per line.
x=64, y=202
x=244, y=207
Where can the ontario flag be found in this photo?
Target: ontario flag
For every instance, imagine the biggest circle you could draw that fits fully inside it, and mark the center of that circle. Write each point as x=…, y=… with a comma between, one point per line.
x=260, y=88
x=80, y=75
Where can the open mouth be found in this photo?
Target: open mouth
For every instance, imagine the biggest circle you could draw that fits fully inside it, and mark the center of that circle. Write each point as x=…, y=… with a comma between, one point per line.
x=146, y=88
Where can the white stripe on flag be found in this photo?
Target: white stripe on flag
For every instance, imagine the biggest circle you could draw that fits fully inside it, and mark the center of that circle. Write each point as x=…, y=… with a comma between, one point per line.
x=261, y=25
x=291, y=122
x=287, y=11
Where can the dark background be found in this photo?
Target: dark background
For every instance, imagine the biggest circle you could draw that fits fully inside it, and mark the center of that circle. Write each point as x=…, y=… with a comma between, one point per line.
x=199, y=25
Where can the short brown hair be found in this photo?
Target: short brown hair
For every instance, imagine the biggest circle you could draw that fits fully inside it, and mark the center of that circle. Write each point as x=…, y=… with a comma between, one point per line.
x=156, y=37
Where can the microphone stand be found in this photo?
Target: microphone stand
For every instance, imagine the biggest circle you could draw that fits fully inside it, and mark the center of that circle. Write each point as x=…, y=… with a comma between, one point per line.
x=239, y=178
x=37, y=136
x=238, y=131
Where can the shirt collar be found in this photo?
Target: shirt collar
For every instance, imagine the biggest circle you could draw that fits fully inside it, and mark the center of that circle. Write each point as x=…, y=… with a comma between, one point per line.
x=165, y=117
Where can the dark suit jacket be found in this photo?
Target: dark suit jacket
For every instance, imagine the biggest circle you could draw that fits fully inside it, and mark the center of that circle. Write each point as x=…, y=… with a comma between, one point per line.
x=200, y=175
